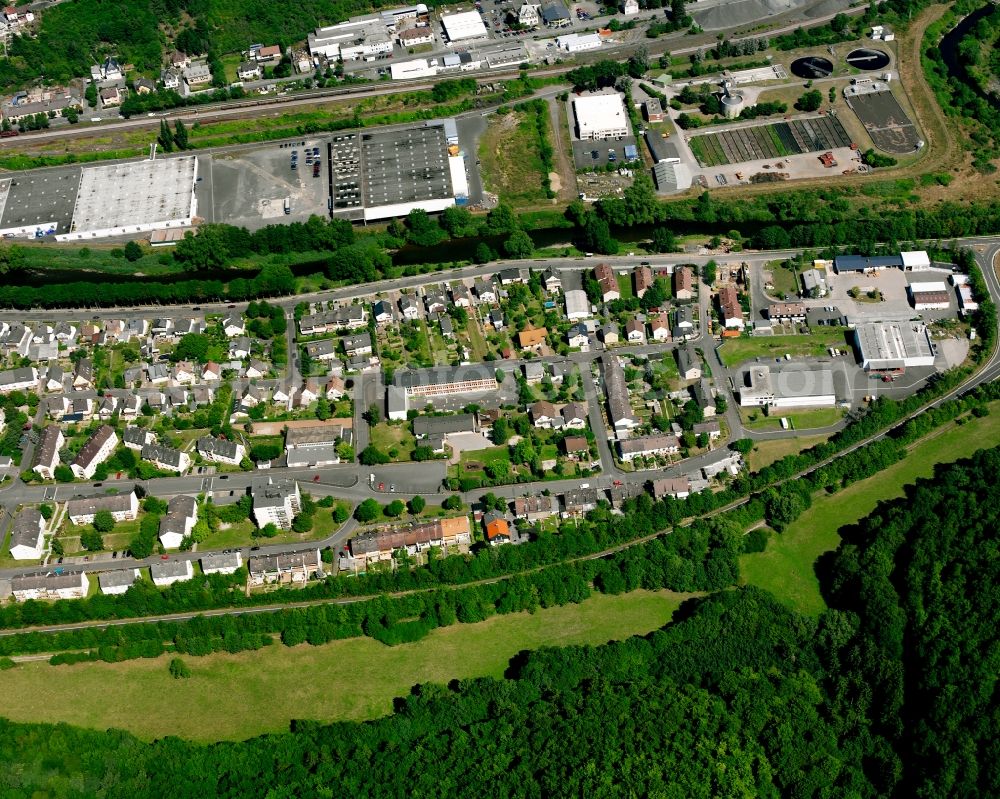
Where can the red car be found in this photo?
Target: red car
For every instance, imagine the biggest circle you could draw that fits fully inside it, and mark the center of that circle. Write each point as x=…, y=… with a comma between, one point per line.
x=381, y=486
x=316, y=478
x=164, y=557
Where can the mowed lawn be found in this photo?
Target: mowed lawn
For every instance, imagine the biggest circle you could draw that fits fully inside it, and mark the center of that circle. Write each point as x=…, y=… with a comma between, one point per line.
x=786, y=568
x=764, y=453
x=735, y=351
x=238, y=696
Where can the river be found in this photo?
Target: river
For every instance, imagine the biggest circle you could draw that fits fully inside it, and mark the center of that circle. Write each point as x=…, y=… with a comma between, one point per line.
x=949, y=51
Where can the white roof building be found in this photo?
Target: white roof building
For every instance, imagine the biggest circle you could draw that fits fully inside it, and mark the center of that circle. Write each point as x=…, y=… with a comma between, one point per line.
x=407, y=70
x=578, y=42
x=463, y=26
x=577, y=305
x=794, y=388
x=893, y=345
x=601, y=116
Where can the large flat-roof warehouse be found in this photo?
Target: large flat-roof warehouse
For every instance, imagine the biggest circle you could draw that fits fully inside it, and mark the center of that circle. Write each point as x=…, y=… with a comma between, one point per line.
x=600, y=116
x=884, y=346
x=38, y=203
x=134, y=197
x=382, y=174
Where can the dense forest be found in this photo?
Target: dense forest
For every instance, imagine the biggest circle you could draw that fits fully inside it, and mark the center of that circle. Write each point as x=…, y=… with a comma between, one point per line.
x=891, y=692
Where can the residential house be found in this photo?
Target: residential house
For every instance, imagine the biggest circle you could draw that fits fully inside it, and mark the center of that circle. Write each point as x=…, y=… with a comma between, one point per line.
x=532, y=339
x=275, y=502
x=676, y=487
x=446, y=325
x=534, y=372
x=167, y=458
x=47, y=456
x=335, y=388
x=660, y=327
x=170, y=79
x=787, y=312
x=704, y=396
x=688, y=362
x=50, y=585
x=288, y=567
x=309, y=393
x=168, y=572
x=53, y=380
x=544, y=414
x=711, y=428
x=92, y=454
x=649, y=446
x=176, y=524
x=574, y=415
x=197, y=75
x=575, y=446
x=510, y=276
x=382, y=312
x=255, y=371
x=578, y=336
x=211, y=372
x=435, y=304
x=684, y=323
x=117, y=582
x=580, y=500
x=380, y=545
x=83, y=376
x=497, y=319
x=485, y=292
x=552, y=280
x=683, y=283
x=496, y=528
x=221, y=450
x=143, y=86
x=111, y=97
x=27, y=535
x=239, y=348
x=620, y=411
x=609, y=333
x=729, y=305
x=248, y=70
x=122, y=507
x=408, y=308
x=233, y=325
x=635, y=331
x=608, y=282
x=136, y=438
x=162, y=328
x=535, y=509
x=225, y=562
x=360, y=344
x=184, y=373
x=642, y=279
x=460, y=296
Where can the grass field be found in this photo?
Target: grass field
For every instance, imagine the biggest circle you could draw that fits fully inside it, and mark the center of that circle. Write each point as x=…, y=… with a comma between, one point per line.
x=765, y=453
x=735, y=351
x=386, y=437
x=806, y=419
x=786, y=568
x=785, y=281
x=238, y=696
x=510, y=163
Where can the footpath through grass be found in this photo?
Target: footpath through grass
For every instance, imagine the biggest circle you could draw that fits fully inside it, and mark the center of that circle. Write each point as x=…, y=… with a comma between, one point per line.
x=247, y=694
x=786, y=568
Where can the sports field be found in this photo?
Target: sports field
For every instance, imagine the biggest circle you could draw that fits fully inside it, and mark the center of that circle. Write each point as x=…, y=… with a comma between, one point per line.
x=786, y=568
x=238, y=696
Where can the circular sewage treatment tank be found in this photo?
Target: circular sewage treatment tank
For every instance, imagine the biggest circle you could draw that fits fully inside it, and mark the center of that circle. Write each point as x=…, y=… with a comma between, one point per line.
x=732, y=105
x=812, y=67
x=868, y=60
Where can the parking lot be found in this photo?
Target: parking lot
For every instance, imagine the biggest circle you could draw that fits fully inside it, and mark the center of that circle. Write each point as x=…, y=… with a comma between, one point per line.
x=249, y=187
x=583, y=152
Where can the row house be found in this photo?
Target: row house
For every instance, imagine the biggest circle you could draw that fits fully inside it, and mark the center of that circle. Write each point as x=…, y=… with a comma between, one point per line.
x=166, y=458
x=221, y=450
x=379, y=545
x=122, y=507
x=47, y=455
x=348, y=316
x=97, y=450
x=647, y=446
x=50, y=585
x=288, y=567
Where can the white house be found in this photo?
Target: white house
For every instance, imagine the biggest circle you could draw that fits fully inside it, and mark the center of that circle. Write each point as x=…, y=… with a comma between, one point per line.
x=50, y=585
x=26, y=535
x=168, y=572
x=176, y=524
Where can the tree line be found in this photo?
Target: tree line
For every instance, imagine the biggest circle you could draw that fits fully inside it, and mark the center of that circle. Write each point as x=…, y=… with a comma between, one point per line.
x=887, y=693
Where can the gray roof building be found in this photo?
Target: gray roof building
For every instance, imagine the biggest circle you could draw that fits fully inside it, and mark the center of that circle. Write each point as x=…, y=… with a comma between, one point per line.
x=25, y=530
x=424, y=426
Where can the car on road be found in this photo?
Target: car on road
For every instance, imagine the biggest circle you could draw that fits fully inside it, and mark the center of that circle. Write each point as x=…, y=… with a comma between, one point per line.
x=595, y=154
x=98, y=485
x=392, y=489
x=315, y=478
x=224, y=477
x=381, y=486
x=164, y=557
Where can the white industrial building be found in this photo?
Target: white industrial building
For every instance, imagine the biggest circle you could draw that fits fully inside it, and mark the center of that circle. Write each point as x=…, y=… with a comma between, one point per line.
x=930, y=296
x=600, y=116
x=793, y=388
x=408, y=70
x=578, y=42
x=360, y=38
x=885, y=346
x=577, y=304
x=464, y=26
x=134, y=197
